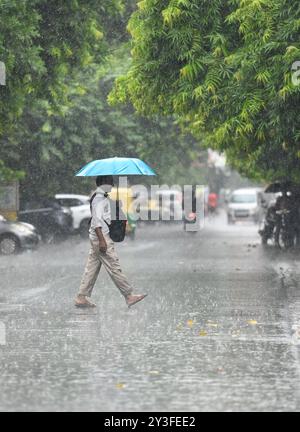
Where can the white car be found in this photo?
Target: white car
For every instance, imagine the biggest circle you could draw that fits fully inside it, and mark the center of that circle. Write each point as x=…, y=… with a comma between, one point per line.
x=80, y=208
x=245, y=204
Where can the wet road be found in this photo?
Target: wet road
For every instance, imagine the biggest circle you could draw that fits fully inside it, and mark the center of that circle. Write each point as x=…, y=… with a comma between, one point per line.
x=219, y=331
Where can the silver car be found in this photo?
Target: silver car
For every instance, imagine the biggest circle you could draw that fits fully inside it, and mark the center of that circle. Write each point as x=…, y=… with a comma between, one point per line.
x=15, y=236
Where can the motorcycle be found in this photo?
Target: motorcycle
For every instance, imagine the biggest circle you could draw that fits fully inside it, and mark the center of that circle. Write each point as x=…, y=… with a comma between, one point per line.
x=189, y=220
x=267, y=226
x=282, y=219
x=279, y=228
x=285, y=229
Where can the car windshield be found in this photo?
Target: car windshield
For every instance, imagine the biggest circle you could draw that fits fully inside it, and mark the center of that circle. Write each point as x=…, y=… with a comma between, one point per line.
x=243, y=199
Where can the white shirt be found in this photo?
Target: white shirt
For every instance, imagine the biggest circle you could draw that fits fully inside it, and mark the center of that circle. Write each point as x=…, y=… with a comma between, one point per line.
x=101, y=213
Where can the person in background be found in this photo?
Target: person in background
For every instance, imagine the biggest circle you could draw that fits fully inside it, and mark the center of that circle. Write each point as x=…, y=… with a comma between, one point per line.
x=102, y=250
x=212, y=202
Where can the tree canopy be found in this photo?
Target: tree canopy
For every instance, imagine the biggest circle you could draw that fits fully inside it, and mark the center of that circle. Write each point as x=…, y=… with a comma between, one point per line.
x=59, y=144
x=42, y=44
x=223, y=68
x=54, y=111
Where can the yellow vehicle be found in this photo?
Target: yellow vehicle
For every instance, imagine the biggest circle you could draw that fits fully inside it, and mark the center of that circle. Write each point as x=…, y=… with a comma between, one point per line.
x=9, y=200
x=126, y=196
x=149, y=210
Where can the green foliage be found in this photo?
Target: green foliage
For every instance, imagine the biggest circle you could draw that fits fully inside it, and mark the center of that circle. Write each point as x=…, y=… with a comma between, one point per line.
x=51, y=147
x=43, y=43
x=223, y=68
x=64, y=120
x=9, y=175
x=91, y=129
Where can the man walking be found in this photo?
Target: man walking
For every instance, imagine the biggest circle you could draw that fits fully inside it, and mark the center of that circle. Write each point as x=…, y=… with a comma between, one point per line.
x=102, y=250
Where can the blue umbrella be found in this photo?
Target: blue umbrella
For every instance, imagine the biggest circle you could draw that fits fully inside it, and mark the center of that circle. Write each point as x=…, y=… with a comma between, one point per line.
x=116, y=166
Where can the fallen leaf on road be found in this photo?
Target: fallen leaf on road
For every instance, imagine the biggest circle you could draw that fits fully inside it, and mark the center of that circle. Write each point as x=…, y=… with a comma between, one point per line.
x=154, y=372
x=202, y=333
x=211, y=324
x=252, y=322
x=190, y=323
x=179, y=327
x=120, y=385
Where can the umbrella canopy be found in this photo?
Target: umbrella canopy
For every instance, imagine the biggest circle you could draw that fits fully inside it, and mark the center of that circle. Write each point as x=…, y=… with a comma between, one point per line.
x=117, y=167
x=278, y=186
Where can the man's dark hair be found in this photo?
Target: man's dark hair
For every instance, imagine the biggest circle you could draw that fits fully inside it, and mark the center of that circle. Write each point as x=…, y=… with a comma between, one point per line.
x=104, y=180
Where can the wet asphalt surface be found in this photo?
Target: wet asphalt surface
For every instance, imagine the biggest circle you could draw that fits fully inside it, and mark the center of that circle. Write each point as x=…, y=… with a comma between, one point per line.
x=219, y=330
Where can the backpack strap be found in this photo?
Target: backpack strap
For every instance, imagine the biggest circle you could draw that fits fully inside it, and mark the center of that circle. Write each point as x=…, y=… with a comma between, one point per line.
x=91, y=203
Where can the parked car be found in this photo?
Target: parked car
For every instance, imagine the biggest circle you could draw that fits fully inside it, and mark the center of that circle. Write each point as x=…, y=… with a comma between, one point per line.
x=79, y=206
x=15, y=236
x=244, y=204
x=52, y=221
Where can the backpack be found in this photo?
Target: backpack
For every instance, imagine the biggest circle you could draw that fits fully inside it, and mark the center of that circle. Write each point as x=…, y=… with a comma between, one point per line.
x=117, y=227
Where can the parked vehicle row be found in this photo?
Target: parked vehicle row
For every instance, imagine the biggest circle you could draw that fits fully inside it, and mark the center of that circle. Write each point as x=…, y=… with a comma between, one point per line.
x=49, y=220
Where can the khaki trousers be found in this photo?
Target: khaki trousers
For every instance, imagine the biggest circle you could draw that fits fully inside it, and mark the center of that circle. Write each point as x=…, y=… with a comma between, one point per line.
x=111, y=263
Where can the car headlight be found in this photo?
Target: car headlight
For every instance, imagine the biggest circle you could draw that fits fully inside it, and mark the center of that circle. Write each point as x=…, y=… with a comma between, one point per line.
x=23, y=229
x=28, y=226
